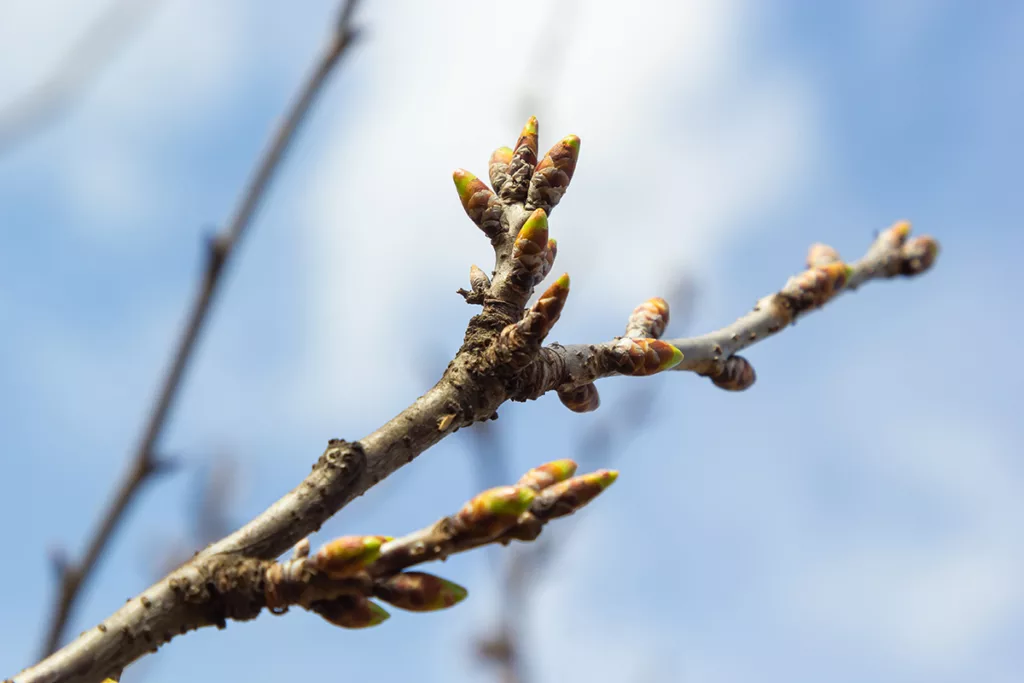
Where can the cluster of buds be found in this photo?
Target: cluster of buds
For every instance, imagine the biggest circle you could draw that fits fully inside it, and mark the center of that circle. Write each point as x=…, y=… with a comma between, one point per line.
x=355, y=569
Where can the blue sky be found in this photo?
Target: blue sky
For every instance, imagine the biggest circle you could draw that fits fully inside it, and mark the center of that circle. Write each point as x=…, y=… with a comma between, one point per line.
x=852, y=517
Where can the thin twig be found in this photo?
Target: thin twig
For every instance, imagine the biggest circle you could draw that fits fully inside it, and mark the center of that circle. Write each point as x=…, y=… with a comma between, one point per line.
x=75, y=73
x=219, y=250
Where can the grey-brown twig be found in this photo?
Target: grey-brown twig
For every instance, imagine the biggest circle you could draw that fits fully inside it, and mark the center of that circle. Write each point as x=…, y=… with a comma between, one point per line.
x=220, y=248
x=502, y=358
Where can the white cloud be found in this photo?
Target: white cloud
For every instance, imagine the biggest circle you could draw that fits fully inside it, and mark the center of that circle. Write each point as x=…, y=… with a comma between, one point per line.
x=684, y=137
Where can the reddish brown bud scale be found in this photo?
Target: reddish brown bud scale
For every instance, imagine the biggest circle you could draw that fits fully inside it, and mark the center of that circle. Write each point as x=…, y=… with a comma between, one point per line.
x=648, y=320
x=419, y=592
x=821, y=255
x=640, y=357
x=918, y=255
x=553, y=174
x=549, y=255
x=547, y=474
x=566, y=497
x=351, y=611
x=480, y=204
x=520, y=166
x=582, y=399
x=531, y=243
x=497, y=168
x=815, y=287
x=736, y=374
x=493, y=511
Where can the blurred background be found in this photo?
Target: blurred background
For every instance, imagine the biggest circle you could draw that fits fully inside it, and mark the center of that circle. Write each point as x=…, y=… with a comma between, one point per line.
x=854, y=516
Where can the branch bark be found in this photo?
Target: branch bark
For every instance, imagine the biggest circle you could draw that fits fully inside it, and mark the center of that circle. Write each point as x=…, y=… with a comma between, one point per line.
x=501, y=359
x=220, y=249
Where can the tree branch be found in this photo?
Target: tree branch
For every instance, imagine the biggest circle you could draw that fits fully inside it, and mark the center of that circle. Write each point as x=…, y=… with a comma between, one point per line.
x=501, y=358
x=220, y=249
x=713, y=355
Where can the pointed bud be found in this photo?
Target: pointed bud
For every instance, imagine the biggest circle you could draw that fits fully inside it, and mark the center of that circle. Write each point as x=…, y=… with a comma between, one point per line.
x=821, y=255
x=894, y=236
x=478, y=280
x=543, y=315
x=491, y=512
x=736, y=374
x=648, y=320
x=644, y=356
x=419, y=592
x=348, y=555
x=547, y=474
x=583, y=399
x=520, y=166
x=482, y=207
x=351, y=611
x=531, y=242
x=498, y=168
x=813, y=288
x=566, y=497
x=553, y=174
x=918, y=255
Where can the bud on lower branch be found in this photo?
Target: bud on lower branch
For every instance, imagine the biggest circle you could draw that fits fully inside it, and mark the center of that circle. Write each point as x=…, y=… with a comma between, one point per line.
x=351, y=611
x=735, y=374
x=566, y=497
x=547, y=474
x=419, y=592
x=493, y=511
x=347, y=555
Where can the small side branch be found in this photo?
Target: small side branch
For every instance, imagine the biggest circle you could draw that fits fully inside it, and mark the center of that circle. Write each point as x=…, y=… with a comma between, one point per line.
x=715, y=355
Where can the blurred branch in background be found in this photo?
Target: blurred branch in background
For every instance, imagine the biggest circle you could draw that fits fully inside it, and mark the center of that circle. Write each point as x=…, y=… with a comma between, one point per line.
x=76, y=71
x=597, y=447
x=219, y=249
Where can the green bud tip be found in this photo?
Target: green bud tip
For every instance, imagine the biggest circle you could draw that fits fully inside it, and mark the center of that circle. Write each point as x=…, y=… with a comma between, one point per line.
x=507, y=500
x=530, y=128
x=464, y=183
x=563, y=282
x=572, y=142
x=670, y=357
x=378, y=614
x=535, y=229
x=604, y=478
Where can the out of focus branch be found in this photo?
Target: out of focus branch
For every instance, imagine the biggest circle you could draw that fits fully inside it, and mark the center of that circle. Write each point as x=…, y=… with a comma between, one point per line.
x=219, y=250
x=76, y=72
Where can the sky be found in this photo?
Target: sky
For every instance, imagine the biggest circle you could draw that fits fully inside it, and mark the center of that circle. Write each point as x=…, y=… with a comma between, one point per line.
x=853, y=516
